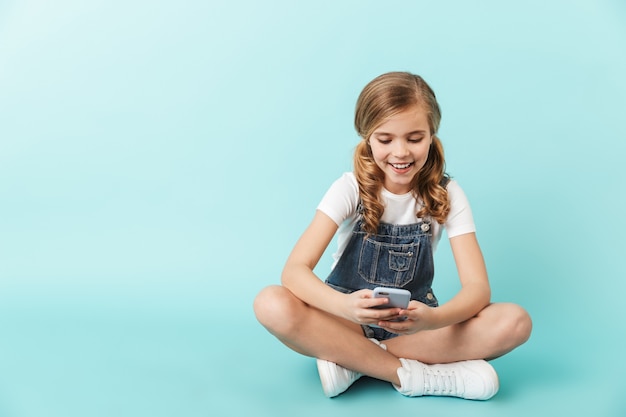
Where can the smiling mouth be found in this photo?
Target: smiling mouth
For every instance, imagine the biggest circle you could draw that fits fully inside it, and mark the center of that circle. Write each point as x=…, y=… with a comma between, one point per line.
x=401, y=166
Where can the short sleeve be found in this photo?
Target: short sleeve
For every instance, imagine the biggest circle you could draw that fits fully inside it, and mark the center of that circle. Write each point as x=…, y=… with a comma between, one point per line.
x=341, y=200
x=460, y=220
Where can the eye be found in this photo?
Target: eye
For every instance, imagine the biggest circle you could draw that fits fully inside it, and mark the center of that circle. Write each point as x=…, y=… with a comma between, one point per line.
x=384, y=141
x=415, y=140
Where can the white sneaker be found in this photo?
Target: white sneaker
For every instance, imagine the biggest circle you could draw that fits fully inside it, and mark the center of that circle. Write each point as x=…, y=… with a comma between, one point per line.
x=472, y=380
x=336, y=379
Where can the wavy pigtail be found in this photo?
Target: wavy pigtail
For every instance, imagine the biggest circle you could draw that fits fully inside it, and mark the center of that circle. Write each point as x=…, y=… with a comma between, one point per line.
x=369, y=177
x=429, y=185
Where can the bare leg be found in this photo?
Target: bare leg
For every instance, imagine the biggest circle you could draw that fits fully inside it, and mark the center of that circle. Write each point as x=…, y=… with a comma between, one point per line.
x=315, y=333
x=495, y=331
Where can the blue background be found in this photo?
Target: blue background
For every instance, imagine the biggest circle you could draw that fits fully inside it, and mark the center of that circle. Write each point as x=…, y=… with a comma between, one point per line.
x=158, y=160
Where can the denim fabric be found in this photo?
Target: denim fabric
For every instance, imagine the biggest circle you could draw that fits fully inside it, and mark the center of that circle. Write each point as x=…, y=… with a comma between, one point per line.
x=397, y=256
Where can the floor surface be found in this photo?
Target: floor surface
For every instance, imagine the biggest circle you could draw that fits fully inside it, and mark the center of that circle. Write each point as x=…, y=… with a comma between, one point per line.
x=68, y=359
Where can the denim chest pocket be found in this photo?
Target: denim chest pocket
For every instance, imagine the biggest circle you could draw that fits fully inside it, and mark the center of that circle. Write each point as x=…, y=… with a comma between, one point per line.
x=388, y=264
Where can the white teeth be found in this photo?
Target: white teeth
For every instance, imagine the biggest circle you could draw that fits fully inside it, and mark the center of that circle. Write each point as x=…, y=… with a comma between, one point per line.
x=401, y=166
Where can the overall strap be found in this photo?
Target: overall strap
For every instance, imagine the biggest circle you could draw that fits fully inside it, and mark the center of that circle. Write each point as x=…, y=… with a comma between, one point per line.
x=445, y=180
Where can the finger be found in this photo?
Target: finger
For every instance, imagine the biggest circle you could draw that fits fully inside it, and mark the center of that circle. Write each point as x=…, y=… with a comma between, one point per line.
x=386, y=326
x=385, y=314
x=376, y=302
x=397, y=322
x=373, y=305
x=365, y=293
x=392, y=316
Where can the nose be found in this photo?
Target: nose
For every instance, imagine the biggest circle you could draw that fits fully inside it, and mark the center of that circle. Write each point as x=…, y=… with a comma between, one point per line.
x=400, y=149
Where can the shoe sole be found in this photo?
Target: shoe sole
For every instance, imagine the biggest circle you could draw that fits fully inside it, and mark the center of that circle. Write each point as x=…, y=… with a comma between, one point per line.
x=325, y=372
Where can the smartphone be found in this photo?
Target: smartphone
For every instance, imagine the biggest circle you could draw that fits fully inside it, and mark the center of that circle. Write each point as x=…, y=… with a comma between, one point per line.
x=398, y=298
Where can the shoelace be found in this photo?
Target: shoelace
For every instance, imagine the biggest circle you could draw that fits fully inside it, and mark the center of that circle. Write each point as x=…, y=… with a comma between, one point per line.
x=439, y=382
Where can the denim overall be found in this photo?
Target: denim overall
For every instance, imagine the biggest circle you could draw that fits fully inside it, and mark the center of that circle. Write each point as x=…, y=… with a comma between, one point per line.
x=398, y=256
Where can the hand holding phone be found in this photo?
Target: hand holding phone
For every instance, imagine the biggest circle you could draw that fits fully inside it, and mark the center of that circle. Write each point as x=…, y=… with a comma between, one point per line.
x=398, y=298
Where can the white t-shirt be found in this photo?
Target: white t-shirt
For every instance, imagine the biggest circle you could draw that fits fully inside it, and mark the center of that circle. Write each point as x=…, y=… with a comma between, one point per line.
x=342, y=198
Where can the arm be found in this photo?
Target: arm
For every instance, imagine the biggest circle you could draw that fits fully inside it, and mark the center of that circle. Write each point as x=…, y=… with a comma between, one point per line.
x=475, y=293
x=299, y=278
x=298, y=274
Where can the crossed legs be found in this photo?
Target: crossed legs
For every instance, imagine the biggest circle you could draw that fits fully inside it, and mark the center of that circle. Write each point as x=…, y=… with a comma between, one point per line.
x=496, y=330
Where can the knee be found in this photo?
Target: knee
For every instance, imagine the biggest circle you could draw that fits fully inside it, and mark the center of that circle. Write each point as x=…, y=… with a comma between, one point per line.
x=276, y=308
x=516, y=326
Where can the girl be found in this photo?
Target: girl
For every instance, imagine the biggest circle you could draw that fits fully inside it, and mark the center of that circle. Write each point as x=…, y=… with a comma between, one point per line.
x=389, y=215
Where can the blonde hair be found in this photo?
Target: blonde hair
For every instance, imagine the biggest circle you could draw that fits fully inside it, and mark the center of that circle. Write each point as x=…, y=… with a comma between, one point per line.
x=384, y=97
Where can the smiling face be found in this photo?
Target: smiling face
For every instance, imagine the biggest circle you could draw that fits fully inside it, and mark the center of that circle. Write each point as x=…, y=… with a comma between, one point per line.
x=400, y=147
